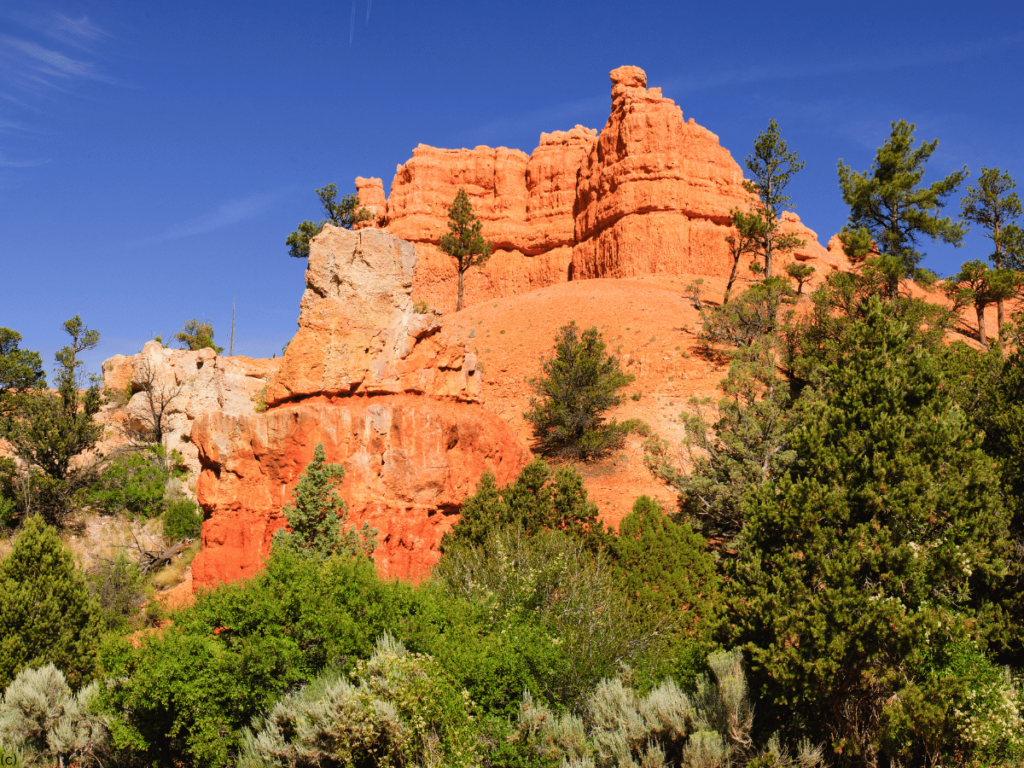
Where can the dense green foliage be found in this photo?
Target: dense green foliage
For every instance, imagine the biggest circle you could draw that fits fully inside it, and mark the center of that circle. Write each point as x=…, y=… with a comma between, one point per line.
x=197, y=334
x=317, y=516
x=663, y=566
x=343, y=213
x=188, y=692
x=579, y=384
x=47, y=613
x=133, y=483
x=464, y=240
x=890, y=210
x=182, y=520
x=864, y=552
x=538, y=500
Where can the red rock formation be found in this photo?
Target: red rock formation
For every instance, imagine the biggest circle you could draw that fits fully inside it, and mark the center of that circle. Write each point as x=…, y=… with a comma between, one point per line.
x=388, y=394
x=651, y=194
x=525, y=203
x=410, y=463
x=359, y=332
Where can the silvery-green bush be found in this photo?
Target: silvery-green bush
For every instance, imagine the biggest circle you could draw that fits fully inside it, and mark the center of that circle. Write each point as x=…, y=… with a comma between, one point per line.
x=399, y=709
x=709, y=727
x=46, y=723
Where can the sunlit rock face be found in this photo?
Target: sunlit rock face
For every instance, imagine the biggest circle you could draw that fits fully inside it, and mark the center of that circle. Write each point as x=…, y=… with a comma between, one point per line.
x=651, y=193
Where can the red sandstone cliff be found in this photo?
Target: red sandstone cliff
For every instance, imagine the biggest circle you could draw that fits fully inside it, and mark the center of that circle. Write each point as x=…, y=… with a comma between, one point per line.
x=388, y=394
x=650, y=194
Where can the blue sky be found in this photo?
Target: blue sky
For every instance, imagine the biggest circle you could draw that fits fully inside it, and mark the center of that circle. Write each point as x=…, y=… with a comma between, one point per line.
x=154, y=156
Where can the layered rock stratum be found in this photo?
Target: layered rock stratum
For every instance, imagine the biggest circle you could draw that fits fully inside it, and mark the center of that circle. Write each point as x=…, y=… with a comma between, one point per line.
x=651, y=193
x=390, y=396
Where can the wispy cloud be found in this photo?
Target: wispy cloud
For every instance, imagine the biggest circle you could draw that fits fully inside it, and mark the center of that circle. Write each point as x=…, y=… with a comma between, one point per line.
x=79, y=32
x=873, y=60
x=6, y=162
x=49, y=62
x=226, y=215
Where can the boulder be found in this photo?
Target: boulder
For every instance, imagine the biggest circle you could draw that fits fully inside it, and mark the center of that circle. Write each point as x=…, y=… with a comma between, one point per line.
x=179, y=385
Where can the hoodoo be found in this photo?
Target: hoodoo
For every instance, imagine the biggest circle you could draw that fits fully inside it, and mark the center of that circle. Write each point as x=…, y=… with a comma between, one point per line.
x=650, y=194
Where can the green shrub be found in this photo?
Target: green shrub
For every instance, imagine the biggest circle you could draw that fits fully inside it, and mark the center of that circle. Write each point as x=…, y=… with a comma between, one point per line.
x=960, y=704
x=47, y=613
x=317, y=517
x=400, y=709
x=420, y=308
x=538, y=500
x=579, y=384
x=182, y=520
x=186, y=693
x=558, y=602
x=117, y=586
x=43, y=720
x=134, y=483
x=664, y=566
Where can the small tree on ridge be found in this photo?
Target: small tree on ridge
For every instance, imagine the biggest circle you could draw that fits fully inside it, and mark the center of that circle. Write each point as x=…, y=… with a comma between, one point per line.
x=464, y=241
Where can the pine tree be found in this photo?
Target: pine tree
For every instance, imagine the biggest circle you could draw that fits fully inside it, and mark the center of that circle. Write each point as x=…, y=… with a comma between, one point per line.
x=538, y=500
x=20, y=369
x=663, y=565
x=580, y=383
x=47, y=613
x=801, y=273
x=865, y=551
x=773, y=166
x=47, y=430
x=980, y=286
x=317, y=515
x=992, y=204
x=464, y=240
x=890, y=211
x=197, y=334
x=343, y=213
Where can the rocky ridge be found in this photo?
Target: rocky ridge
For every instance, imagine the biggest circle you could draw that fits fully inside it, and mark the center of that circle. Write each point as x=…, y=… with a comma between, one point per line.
x=650, y=194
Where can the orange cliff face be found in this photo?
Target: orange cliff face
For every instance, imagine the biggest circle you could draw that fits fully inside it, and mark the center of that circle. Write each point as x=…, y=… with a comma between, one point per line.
x=387, y=393
x=650, y=194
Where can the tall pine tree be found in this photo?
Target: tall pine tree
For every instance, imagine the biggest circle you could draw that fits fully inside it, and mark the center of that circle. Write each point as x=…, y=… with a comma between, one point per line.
x=862, y=556
x=47, y=613
x=890, y=210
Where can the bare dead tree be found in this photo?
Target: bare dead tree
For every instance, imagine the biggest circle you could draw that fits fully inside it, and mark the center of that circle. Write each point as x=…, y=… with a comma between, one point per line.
x=149, y=425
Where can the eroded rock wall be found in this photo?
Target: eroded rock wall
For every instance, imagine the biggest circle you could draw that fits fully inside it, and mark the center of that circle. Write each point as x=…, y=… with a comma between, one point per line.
x=179, y=385
x=651, y=194
x=391, y=397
